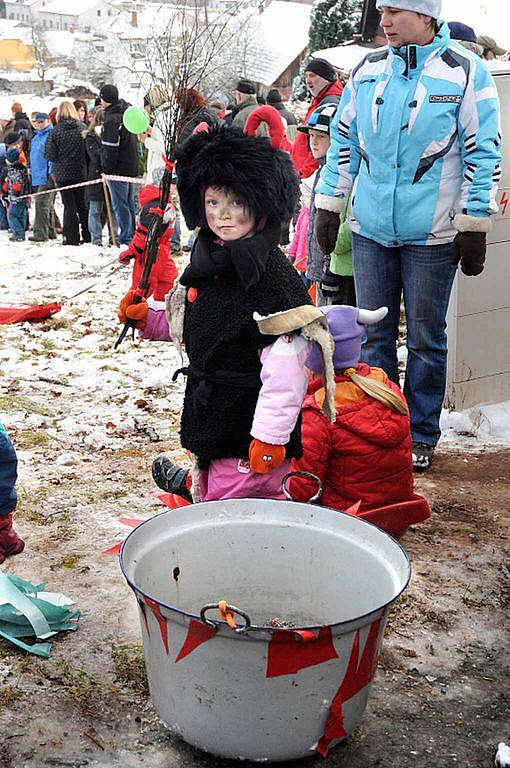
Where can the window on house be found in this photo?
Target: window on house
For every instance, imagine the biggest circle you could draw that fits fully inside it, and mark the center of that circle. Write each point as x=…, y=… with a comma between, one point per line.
x=99, y=13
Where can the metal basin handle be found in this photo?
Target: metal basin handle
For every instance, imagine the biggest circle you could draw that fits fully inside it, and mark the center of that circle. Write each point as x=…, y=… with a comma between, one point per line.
x=309, y=476
x=231, y=609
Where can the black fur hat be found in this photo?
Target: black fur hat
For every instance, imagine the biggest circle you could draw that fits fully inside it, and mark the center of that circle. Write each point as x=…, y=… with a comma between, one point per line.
x=248, y=166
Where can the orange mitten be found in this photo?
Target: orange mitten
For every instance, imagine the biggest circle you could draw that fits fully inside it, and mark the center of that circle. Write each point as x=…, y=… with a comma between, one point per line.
x=265, y=457
x=128, y=310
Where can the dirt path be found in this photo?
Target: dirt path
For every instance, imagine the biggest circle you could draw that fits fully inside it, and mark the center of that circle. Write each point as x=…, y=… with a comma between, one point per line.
x=441, y=695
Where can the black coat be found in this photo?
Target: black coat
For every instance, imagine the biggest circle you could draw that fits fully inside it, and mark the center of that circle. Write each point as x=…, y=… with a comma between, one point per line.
x=190, y=122
x=284, y=112
x=65, y=147
x=119, y=148
x=22, y=124
x=94, y=166
x=223, y=340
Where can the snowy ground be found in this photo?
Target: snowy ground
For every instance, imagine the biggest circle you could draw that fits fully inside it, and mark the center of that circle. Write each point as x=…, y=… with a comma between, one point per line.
x=87, y=422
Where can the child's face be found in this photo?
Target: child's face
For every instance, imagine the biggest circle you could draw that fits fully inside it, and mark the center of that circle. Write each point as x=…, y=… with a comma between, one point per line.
x=319, y=143
x=227, y=215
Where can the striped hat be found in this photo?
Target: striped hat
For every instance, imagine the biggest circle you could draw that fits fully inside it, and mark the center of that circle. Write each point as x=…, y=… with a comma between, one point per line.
x=320, y=120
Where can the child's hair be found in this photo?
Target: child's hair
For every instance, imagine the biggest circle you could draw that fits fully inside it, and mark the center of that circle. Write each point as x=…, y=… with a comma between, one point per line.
x=379, y=391
x=97, y=119
x=66, y=111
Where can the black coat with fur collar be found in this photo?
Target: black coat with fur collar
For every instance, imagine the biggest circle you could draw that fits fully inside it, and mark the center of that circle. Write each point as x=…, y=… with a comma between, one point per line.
x=222, y=341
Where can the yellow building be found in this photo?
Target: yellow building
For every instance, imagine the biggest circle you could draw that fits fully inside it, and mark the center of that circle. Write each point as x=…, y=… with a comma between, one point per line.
x=15, y=54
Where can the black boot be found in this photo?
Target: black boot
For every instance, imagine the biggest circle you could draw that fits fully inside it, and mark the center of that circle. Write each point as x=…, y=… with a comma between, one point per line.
x=170, y=478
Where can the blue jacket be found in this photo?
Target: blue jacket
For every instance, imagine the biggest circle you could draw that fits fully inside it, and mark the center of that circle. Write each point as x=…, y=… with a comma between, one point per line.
x=39, y=166
x=8, y=474
x=417, y=132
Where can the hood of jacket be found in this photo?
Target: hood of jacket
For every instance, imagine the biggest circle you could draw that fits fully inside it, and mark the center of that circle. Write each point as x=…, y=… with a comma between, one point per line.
x=360, y=414
x=118, y=108
x=331, y=89
x=148, y=194
x=68, y=124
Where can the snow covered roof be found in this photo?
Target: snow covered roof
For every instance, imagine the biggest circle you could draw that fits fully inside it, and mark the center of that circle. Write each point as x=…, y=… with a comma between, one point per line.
x=65, y=7
x=277, y=37
x=14, y=30
x=59, y=42
x=343, y=57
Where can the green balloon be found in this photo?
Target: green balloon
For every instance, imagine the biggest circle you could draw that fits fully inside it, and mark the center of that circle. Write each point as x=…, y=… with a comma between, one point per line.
x=136, y=120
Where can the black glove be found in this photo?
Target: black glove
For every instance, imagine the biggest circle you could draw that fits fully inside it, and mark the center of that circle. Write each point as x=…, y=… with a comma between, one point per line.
x=327, y=224
x=469, y=248
x=330, y=283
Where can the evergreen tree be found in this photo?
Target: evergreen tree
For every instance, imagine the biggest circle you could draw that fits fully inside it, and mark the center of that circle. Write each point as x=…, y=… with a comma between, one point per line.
x=333, y=22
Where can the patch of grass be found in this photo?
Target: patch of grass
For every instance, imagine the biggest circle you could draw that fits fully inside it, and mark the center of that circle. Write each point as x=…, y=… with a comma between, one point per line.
x=9, y=695
x=130, y=666
x=30, y=505
x=82, y=688
x=29, y=438
x=69, y=561
x=129, y=453
x=16, y=403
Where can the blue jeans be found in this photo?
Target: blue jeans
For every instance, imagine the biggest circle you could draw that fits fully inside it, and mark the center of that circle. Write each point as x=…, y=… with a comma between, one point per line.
x=94, y=221
x=175, y=241
x=4, y=224
x=424, y=274
x=17, y=218
x=122, y=194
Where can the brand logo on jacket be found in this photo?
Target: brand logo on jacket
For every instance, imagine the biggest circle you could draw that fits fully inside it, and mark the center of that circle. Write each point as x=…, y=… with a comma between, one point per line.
x=445, y=98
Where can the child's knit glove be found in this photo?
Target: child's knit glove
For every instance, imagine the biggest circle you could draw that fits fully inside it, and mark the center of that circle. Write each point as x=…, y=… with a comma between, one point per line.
x=330, y=283
x=128, y=310
x=265, y=457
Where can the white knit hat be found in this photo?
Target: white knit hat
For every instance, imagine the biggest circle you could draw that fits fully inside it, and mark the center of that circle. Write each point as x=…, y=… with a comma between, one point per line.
x=428, y=7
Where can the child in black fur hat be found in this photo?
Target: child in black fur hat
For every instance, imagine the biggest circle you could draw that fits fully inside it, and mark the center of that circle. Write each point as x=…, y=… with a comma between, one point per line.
x=245, y=387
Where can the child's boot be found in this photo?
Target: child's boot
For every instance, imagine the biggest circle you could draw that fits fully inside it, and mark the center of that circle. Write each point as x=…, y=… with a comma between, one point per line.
x=171, y=478
x=10, y=542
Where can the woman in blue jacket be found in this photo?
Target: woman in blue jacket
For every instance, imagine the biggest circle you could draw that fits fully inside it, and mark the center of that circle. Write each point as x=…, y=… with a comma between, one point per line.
x=416, y=139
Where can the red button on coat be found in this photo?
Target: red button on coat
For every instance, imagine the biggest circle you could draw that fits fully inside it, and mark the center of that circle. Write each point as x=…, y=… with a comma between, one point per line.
x=192, y=294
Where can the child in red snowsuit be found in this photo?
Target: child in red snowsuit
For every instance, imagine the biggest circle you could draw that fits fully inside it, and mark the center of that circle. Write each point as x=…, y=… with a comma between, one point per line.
x=164, y=271
x=366, y=454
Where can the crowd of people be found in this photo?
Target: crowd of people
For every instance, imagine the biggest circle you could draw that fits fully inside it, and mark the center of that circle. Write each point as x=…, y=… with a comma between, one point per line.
x=390, y=182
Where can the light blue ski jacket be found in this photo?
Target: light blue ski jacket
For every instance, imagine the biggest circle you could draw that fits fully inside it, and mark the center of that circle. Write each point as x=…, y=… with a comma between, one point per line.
x=417, y=132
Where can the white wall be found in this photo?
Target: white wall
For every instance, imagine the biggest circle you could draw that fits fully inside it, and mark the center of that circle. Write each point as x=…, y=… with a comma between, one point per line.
x=479, y=313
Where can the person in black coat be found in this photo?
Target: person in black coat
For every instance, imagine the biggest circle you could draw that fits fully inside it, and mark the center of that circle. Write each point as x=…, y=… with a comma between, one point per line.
x=95, y=193
x=120, y=156
x=274, y=98
x=65, y=148
x=193, y=112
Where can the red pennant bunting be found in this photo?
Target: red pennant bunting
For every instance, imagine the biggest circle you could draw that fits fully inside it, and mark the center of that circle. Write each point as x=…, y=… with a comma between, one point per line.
x=357, y=676
x=198, y=633
x=289, y=651
x=354, y=509
x=141, y=605
x=132, y=521
x=113, y=550
x=156, y=610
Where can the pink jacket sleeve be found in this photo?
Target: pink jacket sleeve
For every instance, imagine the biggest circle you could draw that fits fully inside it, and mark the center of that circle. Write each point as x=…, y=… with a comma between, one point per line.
x=284, y=383
x=157, y=324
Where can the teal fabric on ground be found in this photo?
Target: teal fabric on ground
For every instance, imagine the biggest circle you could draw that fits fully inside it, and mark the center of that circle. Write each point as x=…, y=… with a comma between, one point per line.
x=25, y=613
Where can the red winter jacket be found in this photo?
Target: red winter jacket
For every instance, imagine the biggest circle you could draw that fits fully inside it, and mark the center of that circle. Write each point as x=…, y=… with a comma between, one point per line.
x=164, y=271
x=301, y=155
x=365, y=455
